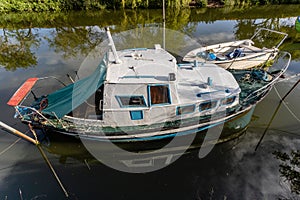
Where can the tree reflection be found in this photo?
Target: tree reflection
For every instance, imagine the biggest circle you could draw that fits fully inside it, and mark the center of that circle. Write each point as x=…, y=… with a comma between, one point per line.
x=15, y=48
x=75, y=34
x=74, y=41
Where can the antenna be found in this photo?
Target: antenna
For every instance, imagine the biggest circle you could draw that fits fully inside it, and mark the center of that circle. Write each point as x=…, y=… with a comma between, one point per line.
x=164, y=26
x=113, y=47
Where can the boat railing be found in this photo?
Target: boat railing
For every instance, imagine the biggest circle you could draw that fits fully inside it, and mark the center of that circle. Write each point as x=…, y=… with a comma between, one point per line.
x=33, y=113
x=42, y=79
x=257, y=94
x=25, y=111
x=273, y=31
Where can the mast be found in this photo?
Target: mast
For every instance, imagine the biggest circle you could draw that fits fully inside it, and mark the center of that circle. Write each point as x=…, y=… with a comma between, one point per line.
x=164, y=26
x=113, y=47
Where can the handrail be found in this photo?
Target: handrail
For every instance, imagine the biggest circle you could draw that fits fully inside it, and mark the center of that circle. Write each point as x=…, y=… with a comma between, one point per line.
x=270, y=30
x=42, y=78
x=270, y=84
x=34, y=111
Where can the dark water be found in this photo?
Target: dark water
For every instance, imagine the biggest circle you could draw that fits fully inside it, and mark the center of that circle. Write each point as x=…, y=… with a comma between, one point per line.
x=35, y=45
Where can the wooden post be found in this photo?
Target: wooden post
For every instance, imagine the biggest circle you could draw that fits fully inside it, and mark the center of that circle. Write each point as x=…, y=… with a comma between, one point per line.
x=52, y=170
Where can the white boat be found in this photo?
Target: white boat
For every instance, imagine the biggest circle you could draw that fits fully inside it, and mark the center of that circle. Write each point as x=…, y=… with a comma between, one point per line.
x=240, y=54
x=144, y=95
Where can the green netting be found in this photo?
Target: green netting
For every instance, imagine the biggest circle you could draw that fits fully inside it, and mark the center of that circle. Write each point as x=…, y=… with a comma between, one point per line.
x=63, y=101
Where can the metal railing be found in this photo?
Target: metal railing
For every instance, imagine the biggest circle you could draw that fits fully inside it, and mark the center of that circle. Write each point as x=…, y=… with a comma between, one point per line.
x=266, y=88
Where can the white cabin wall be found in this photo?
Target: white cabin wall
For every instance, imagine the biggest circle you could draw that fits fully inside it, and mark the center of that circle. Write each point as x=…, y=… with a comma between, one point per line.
x=114, y=114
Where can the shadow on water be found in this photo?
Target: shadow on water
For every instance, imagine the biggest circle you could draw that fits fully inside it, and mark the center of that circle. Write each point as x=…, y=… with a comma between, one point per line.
x=54, y=44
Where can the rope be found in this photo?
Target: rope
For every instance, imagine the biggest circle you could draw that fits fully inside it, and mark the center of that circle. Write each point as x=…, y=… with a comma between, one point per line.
x=284, y=103
x=10, y=146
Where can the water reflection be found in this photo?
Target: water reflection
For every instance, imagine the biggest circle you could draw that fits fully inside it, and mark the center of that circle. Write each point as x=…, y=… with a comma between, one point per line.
x=16, y=48
x=75, y=41
x=74, y=34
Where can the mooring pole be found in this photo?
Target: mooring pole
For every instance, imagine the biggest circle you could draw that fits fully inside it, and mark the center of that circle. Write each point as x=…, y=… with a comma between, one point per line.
x=274, y=114
x=48, y=163
x=18, y=133
x=36, y=142
x=268, y=126
x=53, y=171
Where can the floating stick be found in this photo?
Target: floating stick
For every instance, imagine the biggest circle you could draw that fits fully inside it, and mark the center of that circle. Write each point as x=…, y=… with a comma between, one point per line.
x=49, y=164
x=20, y=192
x=52, y=169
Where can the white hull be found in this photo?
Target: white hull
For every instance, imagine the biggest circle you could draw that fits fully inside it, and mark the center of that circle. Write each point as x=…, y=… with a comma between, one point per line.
x=247, y=63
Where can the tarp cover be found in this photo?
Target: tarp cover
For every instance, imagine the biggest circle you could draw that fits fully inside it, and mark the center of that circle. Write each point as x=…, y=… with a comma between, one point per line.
x=63, y=101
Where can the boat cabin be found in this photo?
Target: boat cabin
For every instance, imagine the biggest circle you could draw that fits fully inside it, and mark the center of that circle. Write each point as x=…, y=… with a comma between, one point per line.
x=148, y=86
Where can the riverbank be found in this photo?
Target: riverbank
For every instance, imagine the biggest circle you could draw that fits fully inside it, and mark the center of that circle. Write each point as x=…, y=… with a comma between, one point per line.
x=7, y=6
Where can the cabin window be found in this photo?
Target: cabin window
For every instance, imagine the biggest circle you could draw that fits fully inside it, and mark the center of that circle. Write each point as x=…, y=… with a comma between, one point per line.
x=136, y=115
x=159, y=94
x=180, y=110
x=131, y=101
x=207, y=105
x=228, y=100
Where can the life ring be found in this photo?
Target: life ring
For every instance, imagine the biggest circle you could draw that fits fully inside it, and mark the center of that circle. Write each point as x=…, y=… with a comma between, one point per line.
x=43, y=104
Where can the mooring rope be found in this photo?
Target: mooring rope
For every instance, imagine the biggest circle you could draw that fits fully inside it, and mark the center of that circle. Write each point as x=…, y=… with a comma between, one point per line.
x=284, y=103
x=10, y=146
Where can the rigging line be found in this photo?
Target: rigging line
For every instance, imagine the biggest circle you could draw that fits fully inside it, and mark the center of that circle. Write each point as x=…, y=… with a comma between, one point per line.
x=284, y=103
x=10, y=146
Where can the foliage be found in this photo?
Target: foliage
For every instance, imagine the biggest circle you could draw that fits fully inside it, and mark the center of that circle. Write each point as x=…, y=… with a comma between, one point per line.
x=67, y=5
x=201, y=3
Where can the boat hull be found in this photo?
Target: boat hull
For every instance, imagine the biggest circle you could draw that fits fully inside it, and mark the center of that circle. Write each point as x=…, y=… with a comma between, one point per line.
x=227, y=130
x=247, y=63
x=164, y=131
x=250, y=57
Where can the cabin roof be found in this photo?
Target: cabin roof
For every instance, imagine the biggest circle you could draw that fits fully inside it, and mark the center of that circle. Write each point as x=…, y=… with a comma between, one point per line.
x=141, y=66
x=205, y=83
